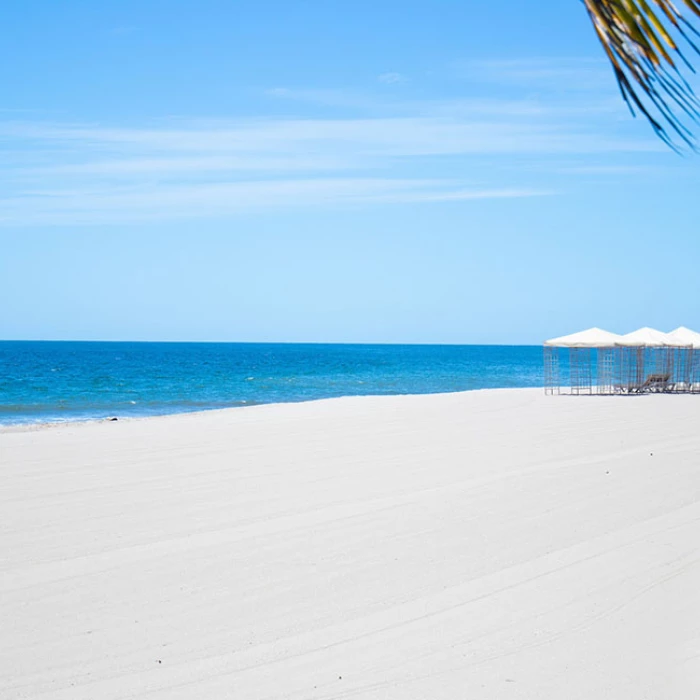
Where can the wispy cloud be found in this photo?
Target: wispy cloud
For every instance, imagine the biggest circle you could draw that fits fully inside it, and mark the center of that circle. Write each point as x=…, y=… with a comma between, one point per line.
x=163, y=203
x=177, y=167
x=389, y=151
x=332, y=97
x=608, y=169
x=573, y=74
x=381, y=105
x=391, y=78
x=398, y=136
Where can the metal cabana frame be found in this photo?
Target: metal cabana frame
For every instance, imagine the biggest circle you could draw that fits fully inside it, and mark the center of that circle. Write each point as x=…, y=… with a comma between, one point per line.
x=597, y=362
x=581, y=363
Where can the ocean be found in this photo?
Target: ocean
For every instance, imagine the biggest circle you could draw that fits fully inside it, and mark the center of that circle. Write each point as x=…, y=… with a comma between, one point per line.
x=66, y=381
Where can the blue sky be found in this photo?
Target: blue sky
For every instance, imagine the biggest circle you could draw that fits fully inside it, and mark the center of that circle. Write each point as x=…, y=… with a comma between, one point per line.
x=345, y=172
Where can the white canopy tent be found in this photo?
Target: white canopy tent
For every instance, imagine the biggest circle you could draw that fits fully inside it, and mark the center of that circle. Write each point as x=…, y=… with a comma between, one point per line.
x=687, y=359
x=592, y=338
x=684, y=337
x=596, y=361
x=645, y=338
x=644, y=362
x=590, y=363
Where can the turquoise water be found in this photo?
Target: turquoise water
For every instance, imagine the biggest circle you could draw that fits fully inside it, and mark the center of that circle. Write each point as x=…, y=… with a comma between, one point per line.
x=59, y=381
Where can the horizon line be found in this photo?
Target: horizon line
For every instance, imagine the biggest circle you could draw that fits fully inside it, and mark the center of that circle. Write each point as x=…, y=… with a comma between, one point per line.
x=266, y=342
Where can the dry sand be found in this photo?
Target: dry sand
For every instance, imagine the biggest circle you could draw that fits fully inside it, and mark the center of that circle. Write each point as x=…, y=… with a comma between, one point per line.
x=495, y=544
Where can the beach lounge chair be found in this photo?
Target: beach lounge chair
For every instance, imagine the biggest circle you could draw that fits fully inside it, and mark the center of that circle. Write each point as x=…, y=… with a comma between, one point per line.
x=656, y=383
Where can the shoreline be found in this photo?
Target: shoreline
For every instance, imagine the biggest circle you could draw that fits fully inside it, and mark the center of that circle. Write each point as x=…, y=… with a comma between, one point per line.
x=47, y=425
x=51, y=424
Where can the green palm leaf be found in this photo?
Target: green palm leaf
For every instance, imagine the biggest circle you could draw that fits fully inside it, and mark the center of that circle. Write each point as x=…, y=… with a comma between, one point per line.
x=640, y=39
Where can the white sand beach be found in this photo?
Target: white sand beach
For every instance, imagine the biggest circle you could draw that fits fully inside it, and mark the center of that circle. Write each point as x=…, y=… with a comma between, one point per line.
x=492, y=544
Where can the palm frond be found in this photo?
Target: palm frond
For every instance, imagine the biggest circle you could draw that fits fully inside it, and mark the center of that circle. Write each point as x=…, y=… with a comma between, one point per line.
x=640, y=37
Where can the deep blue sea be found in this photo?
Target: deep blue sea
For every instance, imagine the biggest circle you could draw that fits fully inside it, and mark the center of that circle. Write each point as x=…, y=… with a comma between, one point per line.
x=62, y=381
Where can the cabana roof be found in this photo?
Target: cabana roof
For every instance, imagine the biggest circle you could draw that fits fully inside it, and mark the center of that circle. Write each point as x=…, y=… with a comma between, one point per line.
x=592, y=338
x=642, y=337
x=646, y=337
x=685, y=337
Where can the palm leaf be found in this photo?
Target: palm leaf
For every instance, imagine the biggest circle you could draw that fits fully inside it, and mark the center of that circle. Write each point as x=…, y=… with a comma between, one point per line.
x=640, y=38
